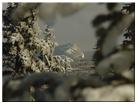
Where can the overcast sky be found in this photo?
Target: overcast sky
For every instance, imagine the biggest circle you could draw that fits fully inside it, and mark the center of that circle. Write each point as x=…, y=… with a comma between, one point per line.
x=77, y=28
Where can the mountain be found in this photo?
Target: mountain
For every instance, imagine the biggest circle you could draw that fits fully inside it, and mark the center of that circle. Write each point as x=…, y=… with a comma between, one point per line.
x=71, y=50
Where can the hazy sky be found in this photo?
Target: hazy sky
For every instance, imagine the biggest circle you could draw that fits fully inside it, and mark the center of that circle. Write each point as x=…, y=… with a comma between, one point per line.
x=77, y=28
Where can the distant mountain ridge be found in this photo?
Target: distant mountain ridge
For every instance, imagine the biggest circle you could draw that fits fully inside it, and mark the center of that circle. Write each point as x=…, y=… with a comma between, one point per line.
x=69, y=49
